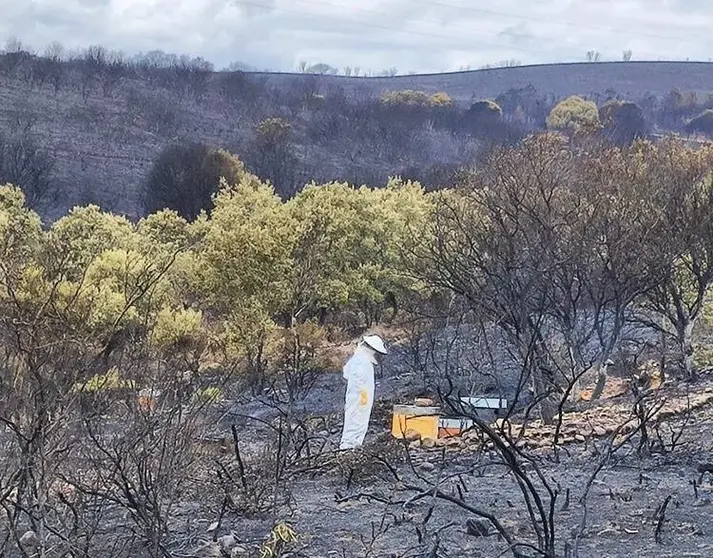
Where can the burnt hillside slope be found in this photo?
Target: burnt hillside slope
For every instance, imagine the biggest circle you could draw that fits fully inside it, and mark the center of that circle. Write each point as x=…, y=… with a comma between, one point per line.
x=630, y=79
x=89, y=129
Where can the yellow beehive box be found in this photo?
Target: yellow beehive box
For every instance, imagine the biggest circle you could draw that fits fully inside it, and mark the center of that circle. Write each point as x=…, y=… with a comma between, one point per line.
x=423, y=420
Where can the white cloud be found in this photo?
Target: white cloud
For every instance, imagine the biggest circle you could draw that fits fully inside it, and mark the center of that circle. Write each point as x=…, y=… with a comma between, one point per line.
x=418, y=35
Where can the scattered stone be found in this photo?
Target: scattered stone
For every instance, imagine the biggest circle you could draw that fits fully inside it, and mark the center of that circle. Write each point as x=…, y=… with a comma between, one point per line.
x=427, y=467
x=227, y=542
x=471, y=435
x=599, y=431
x=428, y=443
x=239, y=552
x=476, y=528
x=210, y=550
x=579, y=438
x=412, y=435
x=30, y=539
x=423, y=402
x=456, y=442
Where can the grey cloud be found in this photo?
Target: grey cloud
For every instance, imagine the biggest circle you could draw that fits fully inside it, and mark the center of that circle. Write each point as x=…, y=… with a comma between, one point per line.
x=692, y=5
x=418, y=35
x=519, y=35
x=256, y=8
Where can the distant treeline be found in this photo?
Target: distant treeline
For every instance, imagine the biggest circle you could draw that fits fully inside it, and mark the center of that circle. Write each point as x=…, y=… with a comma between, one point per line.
x=306, y=127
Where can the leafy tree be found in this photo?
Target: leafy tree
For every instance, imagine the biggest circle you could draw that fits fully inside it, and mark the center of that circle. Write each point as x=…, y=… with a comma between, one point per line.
x=166, y=234
x=20, y=238
x=77, y=239
x=102, y=299
x=99, y=260
x=576, y=115
x=245, y=267
x=272, y=155
x=702, y=124
x=165, y=228
x=440, y=99
x=185, y=178
x=406, y=97
x=416, y=98
x=622, y=121
x=524, y=104
x=321, y=68
x=240, y=89
x=676, y=107
x=349, y=252
x=486, y=117
x=485, y=108
x=272, y=132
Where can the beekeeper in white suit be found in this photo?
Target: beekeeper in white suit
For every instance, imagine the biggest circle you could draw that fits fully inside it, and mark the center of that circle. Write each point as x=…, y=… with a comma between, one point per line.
x=359, y=400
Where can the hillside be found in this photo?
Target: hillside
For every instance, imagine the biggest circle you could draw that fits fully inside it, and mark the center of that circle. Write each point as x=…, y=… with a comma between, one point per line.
x=89, y=130
x=632, y=80
x=176, y=388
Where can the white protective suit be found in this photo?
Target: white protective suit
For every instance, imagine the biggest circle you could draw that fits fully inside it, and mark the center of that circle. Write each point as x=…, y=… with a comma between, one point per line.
x=359, y=373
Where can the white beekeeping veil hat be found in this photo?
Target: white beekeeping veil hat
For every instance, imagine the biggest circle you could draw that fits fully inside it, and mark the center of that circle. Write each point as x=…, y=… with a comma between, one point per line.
x=375, y=342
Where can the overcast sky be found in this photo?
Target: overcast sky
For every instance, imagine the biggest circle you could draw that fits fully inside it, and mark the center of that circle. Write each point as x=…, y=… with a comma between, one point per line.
x=411, y=35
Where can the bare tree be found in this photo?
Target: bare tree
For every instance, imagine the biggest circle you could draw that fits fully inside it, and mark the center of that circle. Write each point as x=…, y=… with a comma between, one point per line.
x=13, y=57
x=55, y=57
x=48, y=350
x=24, y=164
x=533, y=246
x=504, y=444
x=675, y=304
x=193, y=75
x=111, y=72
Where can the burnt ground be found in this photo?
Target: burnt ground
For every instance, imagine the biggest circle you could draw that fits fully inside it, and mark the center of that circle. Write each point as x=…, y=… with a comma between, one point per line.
x=353, y=506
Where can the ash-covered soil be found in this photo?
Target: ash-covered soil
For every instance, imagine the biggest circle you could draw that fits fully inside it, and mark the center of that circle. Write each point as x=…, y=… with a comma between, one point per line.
x=397, y=498
x=362, y=503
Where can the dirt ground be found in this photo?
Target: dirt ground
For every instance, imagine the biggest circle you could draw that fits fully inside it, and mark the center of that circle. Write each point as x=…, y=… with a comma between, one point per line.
x=345, y=511
x=379, y=501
